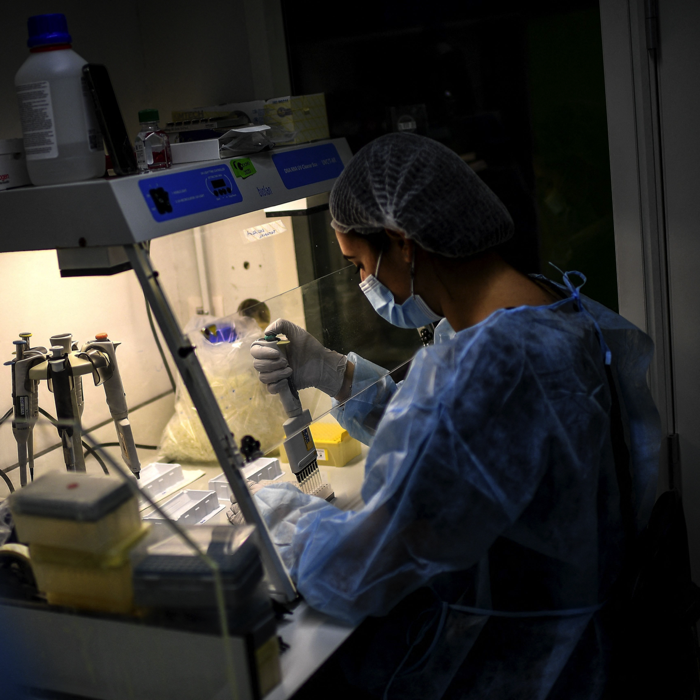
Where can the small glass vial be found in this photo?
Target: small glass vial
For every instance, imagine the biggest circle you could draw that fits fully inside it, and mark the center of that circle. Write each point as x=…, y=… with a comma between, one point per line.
x=152, y=145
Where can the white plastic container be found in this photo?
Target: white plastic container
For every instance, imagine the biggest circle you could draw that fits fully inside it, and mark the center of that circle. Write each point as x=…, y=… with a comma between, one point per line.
x=13, y=164
x=70, y=510
x=62, y=140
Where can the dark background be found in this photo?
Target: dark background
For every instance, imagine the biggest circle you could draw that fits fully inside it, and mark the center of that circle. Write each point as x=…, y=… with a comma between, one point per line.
x=515, y=88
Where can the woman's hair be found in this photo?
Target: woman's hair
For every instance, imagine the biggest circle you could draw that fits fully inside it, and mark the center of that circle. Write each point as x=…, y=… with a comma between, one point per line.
x=379, y=240
x=410, y=183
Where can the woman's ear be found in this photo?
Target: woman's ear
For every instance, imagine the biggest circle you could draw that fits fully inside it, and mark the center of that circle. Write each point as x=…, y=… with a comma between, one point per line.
x=405, y=245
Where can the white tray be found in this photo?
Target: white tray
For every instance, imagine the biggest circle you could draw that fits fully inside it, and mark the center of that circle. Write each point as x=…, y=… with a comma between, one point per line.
x=158, y=477
x=264, y=468
x=190, y=507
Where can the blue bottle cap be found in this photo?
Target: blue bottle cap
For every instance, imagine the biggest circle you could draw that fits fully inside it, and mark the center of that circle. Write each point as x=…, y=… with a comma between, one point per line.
x=47, y=30
x=223, y=333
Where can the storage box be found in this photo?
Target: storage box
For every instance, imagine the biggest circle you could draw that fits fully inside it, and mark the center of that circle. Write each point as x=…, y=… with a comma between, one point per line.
x=299, y=119
x=13, y=164
x=84, y=579
x=174, y=585
x=168, y=574
x=75, y=511
x=192, y=151
x=255, y=110
x=294, y=118
x=234, y=142
x=334, y=445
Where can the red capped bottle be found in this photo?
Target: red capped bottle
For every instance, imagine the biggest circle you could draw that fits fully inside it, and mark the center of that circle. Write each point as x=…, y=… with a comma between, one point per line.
x=152, y=145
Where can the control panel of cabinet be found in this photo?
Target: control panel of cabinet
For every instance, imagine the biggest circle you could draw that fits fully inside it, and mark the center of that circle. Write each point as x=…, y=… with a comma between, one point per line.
x=172, y=195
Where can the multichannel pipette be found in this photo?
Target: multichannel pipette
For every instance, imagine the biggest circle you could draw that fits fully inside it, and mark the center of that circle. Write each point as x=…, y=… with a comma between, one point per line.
x=299, y=444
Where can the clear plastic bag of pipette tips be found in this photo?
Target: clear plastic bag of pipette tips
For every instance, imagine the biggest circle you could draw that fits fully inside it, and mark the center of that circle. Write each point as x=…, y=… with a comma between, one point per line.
x=245, y=403
x=279, y=135
x=238, y=142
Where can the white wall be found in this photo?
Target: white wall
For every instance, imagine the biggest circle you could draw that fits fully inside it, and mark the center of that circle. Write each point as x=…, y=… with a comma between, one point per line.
x=38, y=300
x=237, y=269
x=164, y=56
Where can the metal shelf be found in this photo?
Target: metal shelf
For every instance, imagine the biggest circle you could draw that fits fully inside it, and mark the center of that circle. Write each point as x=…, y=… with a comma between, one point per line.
x=127, y=210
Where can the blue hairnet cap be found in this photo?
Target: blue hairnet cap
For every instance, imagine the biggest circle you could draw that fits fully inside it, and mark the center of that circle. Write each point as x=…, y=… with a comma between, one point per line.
x=413, y=184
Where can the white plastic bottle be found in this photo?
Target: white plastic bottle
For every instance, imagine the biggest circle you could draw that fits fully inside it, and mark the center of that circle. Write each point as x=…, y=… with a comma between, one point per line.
x=62, y=140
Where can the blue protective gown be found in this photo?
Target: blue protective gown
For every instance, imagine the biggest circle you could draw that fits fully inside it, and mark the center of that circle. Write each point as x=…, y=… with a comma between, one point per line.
x=491, y=507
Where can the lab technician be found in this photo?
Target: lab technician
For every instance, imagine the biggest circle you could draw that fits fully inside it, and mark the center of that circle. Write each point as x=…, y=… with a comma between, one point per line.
x=491, y=533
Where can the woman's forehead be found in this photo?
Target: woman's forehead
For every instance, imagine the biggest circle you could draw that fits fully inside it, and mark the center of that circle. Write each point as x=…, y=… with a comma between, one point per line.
x=352, y=245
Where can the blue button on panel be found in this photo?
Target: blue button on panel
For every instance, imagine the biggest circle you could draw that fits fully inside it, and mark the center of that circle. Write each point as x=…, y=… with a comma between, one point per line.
x=306, y=166
x=172, y=195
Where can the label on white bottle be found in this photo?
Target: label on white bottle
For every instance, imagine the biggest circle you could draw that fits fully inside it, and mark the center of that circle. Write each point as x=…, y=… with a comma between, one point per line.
x=94, y=134
x=36, y=113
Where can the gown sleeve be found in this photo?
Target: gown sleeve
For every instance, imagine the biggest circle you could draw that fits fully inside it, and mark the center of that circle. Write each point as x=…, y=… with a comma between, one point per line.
x=372, y=389
x=448, y=471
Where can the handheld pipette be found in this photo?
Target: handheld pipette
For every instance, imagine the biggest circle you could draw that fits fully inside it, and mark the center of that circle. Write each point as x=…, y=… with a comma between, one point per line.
x=25, y=403
x=102, y=353
x=63, y=371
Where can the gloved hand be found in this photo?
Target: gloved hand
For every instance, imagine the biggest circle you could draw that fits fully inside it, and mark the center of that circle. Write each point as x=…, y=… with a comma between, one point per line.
x=303, y=358
x=233, y=513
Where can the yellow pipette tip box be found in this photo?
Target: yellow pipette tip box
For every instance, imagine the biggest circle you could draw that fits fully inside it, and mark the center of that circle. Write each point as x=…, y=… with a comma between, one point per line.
x=334, y=445
x=86, y=580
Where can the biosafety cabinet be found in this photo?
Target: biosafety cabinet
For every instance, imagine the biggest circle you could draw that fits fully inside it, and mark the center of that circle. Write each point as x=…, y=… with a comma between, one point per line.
x=180, y=271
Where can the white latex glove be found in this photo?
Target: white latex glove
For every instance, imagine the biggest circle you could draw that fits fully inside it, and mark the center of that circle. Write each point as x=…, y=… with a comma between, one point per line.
x=303, y=358
x=233, y=513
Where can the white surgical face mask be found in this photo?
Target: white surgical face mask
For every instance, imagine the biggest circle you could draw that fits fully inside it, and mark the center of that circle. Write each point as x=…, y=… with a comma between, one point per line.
x=413, y=313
